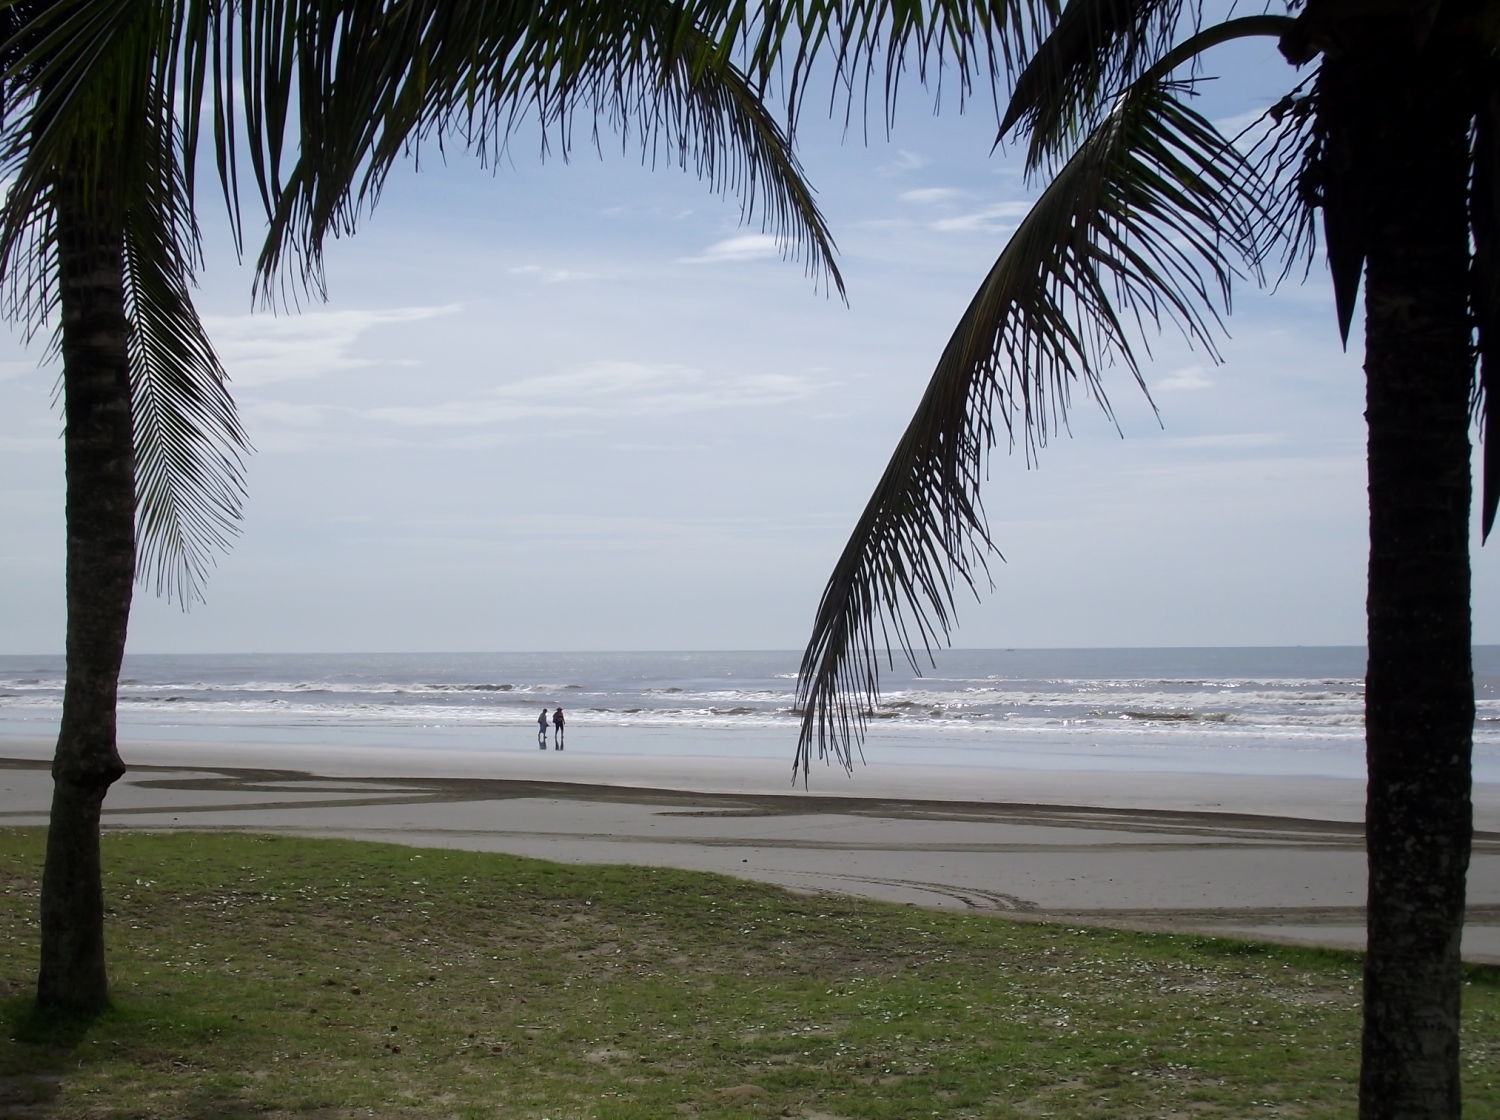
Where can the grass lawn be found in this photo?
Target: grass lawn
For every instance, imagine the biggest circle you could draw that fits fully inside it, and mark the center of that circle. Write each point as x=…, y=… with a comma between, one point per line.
x=279, y=977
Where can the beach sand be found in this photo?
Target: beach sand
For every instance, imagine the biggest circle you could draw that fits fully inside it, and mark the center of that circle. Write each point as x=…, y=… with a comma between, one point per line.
x=1266, y=857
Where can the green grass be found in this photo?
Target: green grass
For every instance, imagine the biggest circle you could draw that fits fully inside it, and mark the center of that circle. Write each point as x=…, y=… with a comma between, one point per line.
x=280, y=977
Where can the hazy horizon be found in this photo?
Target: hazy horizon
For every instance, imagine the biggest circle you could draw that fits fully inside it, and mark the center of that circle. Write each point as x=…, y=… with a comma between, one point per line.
x=664, y=650
x=1250, y=710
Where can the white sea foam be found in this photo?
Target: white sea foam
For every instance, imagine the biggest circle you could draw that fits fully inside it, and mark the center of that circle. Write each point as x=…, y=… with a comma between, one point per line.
x=1116, y=708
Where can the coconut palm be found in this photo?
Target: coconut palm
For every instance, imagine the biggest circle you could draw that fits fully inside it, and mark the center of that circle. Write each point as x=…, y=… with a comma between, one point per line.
x=1390, y=130
x=98, y=234
x=105, y=102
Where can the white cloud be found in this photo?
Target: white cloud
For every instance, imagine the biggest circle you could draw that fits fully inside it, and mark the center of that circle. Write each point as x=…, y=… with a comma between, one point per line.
x=905, y=161
x=661, y=448
x=20, y=368
x=1187, y=378
x=1245, y=128
x=261, y=349
x=746, y=247
x=29, y=443
x=606, y=388
x=550, y=275
x=1229, y=440
x=1233, y=126
x=290, y=415
x=932, y=194
x=1001, y=217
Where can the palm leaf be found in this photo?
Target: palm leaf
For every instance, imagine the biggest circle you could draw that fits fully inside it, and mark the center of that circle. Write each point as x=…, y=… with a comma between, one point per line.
x=969, y=43
x=1099, y=48
x=69, y=103
x=1485, y=219
x=92, y=91
x=1332, y=180
x=1096, y=48
x=437, y=72
x=189, y=443
x=377, y=82
x=92, y=85
x=1140, y=226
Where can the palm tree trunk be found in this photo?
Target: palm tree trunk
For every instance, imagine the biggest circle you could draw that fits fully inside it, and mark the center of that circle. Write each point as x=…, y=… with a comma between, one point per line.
x=100, y=461
x=1420, y=689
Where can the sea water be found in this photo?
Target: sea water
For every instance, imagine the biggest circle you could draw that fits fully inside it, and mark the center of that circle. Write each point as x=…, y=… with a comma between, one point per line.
x=1273, y=711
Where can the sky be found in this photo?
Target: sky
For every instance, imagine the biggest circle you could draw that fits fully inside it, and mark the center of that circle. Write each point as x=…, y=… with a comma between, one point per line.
x=578, y=405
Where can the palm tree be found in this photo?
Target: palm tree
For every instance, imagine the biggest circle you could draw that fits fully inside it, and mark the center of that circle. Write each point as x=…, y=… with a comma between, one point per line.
x=1393, y=134
x=97, y=232
x=104, y=104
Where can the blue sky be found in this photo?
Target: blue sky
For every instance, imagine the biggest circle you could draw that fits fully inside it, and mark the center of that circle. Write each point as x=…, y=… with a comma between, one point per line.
x=580, y=406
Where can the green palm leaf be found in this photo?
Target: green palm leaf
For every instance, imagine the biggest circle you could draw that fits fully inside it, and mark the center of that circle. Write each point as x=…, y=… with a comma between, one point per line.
x=1142, y=225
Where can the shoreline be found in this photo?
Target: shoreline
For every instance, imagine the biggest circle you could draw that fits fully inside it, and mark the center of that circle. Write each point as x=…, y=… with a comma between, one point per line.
x=1264, y=858
x=1293, y=796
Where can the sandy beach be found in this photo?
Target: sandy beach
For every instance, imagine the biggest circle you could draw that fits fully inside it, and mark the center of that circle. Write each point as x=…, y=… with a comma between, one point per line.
x=1268, y=857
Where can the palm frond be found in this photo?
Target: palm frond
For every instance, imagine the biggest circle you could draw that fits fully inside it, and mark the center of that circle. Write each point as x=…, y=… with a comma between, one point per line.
x=93, y=99
x=1097, y=48
x=437, y=72
x=1485, y=223
x=972, y=44
x=1309, y=153
x=189, y=444
x=1333, y=181
x=28, y=257
x=1286, y=154
x=709, y=117
x=1142, y=226
x=69, y=103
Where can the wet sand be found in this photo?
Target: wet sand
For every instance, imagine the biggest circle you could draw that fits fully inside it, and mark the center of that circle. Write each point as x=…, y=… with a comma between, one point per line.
x=1271, y=858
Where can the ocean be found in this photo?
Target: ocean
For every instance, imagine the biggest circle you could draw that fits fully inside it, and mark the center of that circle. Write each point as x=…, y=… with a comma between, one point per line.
x=1273, y=711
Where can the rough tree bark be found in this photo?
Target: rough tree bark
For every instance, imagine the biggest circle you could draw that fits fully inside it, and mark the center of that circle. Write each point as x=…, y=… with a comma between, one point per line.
x=1420, y=689
x=99, y=450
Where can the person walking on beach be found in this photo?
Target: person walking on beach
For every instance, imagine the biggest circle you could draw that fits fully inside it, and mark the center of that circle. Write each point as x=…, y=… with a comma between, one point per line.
x=541, y=730
x=558, y=723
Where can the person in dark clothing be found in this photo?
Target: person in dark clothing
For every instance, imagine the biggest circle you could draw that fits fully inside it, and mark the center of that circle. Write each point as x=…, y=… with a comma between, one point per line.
x=541, y=730
x=558, y=723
